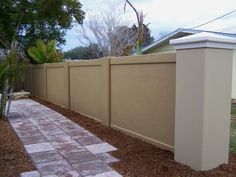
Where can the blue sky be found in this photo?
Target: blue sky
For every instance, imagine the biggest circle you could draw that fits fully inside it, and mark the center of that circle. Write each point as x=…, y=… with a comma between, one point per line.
x=165, y=15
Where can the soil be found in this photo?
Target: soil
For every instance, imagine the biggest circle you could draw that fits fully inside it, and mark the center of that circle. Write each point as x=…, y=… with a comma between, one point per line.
x=138, y=158
x=13, y=158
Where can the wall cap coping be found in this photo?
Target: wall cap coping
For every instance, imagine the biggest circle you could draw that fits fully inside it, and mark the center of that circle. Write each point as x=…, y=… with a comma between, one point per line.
x=204, y=40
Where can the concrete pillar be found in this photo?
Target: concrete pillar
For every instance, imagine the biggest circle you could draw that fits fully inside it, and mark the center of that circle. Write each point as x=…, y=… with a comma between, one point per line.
x=203, y=99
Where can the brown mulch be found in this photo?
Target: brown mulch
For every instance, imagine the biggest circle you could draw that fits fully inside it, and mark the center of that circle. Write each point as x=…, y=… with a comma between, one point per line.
x=138, y=158
x=13, y=158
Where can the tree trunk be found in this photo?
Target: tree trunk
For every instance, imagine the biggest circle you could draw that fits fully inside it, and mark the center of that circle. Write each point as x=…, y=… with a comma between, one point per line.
x=4, y=98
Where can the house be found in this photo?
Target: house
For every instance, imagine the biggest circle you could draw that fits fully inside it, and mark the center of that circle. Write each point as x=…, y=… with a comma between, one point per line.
x=162, y=46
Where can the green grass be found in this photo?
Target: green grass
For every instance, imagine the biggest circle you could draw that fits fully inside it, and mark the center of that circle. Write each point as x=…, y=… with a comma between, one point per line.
x=233, y=138
x=233, y=131
x=233, y=110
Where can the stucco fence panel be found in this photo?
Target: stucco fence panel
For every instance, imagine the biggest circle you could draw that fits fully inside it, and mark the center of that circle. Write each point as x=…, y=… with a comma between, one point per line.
x=38, y=81
x=143, y=97
x=27, y=84
x=57, y=83
x=134, y=94
x=85, y=88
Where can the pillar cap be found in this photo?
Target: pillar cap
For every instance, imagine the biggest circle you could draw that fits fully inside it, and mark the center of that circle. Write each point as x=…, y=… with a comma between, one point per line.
x=204, y=40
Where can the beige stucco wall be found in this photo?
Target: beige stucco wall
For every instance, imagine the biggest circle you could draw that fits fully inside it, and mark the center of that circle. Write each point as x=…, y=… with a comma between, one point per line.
x=143, y=97
x=38, y=81
x=182, y=106
x=85, y=87
x=28, y=80
x=57, y=83
x=133, y=94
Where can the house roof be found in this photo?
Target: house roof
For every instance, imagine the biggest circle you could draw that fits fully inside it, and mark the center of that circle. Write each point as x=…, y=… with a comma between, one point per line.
x=181, y=32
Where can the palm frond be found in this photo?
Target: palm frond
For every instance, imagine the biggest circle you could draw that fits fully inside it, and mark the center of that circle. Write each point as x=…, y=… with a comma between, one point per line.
x=45, y=52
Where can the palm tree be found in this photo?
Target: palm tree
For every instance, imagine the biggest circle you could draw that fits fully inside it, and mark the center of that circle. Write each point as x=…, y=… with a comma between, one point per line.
x=140, y=26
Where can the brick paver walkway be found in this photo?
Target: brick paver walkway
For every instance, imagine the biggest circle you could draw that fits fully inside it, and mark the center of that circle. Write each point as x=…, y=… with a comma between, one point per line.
x=57, y=146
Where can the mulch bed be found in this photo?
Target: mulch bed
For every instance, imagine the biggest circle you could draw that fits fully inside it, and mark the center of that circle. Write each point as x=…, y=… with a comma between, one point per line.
x=13, y=158
x=138, y=158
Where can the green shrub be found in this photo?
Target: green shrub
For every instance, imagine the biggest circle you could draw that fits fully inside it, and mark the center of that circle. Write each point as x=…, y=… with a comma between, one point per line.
x=45, y=52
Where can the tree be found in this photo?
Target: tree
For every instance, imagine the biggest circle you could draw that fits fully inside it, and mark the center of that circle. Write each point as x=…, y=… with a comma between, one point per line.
x=39, y=19
x=45, y=52
x=12, y=68
x=111, y=32
x=114, y=34
x=146, y=36
x=84, y=52
x=141, y=27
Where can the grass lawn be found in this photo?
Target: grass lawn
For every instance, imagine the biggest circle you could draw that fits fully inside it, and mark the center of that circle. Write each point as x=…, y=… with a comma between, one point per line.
x=233, y=138
x=233, y=110
x=233, y=131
